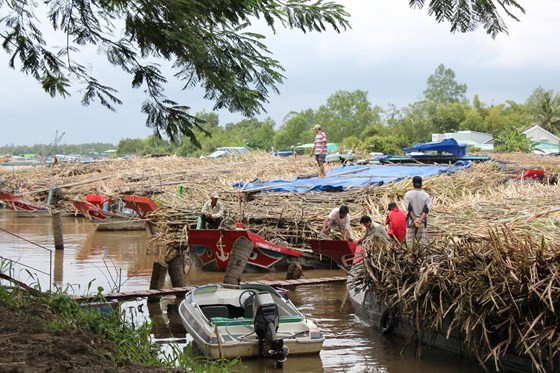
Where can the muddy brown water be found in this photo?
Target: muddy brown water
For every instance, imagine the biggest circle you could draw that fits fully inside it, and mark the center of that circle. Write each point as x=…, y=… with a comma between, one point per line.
x=92, y=259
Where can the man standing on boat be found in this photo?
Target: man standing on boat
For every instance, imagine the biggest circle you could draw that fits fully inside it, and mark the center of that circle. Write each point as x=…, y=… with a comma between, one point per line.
x=418, y=203
x=338, y=219
x=212, y=213
x=319, y=149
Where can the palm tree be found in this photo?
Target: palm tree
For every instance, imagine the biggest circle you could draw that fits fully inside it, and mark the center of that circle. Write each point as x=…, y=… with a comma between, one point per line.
x=547, y=110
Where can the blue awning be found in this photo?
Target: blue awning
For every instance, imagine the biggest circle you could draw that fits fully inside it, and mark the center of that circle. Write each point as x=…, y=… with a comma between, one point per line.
x=448, y=146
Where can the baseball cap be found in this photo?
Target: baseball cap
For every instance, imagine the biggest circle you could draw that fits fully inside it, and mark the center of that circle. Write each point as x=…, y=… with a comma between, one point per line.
x=417, y=181
x=316, y=127
x=215, y=195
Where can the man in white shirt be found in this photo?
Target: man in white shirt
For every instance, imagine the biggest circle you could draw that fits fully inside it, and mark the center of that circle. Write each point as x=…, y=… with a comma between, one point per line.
x=339, y=219
x=212, y=213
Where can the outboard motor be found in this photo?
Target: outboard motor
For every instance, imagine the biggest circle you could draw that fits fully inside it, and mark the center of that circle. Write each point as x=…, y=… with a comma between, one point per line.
x=266, y=324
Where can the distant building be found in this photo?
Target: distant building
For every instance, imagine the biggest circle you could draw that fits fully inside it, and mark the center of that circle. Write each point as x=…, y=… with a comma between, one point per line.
x=546, y=142
x=481, y=140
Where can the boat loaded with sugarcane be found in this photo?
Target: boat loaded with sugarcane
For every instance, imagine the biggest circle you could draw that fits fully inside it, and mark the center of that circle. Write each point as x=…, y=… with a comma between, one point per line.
x=495, y=301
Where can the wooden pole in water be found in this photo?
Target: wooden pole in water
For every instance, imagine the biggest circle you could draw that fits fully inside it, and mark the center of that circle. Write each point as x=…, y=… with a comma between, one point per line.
x=177, y=269
x=159, y=272
x=242, y=249
x=57, y=231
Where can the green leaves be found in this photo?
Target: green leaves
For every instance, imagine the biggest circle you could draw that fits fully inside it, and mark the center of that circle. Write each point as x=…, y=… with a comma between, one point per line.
x=468, y=15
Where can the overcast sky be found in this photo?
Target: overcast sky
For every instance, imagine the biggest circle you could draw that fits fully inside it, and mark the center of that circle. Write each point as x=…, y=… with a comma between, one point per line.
x=390, y=52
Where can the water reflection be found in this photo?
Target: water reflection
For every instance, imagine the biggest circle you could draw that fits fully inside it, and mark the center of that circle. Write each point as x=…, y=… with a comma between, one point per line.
x=120, y=259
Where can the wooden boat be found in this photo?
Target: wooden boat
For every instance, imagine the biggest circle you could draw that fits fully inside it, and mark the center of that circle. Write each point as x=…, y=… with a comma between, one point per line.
x=145, y=207
x=250, y=320
x=23, y=208
x=369, y=309
x=341, y=251
x=211, y=250
x=96, y=209
x=445, y=151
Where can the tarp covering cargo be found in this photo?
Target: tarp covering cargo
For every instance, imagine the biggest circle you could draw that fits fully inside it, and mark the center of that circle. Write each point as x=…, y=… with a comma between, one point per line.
x=351, y=176
x=450, y=146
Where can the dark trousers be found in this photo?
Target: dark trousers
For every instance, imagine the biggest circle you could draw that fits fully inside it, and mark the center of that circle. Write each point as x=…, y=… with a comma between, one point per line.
x=209, y=223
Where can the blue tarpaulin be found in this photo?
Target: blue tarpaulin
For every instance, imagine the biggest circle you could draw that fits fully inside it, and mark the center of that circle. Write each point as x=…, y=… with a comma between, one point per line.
x=448, y=146
x=349, y=176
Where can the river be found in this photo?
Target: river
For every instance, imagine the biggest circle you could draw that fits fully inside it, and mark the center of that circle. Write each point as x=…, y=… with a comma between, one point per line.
x=124, y=260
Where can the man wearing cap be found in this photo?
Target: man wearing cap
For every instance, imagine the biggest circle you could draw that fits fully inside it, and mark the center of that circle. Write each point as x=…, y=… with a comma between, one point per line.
x=320, y=149
x=212, y=213
x=418, y=204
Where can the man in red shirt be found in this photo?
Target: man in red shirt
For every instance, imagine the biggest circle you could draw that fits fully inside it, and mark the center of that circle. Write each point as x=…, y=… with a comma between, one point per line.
x=396, y=219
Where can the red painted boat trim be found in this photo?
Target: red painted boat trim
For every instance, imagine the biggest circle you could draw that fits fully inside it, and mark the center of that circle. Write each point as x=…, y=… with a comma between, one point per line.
x=341, y=251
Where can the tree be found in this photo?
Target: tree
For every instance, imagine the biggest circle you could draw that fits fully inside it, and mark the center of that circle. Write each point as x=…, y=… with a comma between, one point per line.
x=346, y=114
x=442, y=88
x=467, y=15
x=209, y=44
x=514, y=140
x=544, y=109
x=294, y=132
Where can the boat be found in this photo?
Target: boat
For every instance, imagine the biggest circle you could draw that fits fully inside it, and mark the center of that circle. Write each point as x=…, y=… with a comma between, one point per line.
x=145, y=207
x=24, y=208
x=446, y=151
x=211, y=249
x=377, y=314
x=341, y=251
x=109, y=217
x=249, y=320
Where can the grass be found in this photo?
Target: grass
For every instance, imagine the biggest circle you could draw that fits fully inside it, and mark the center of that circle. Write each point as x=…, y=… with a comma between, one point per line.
x=130, y=343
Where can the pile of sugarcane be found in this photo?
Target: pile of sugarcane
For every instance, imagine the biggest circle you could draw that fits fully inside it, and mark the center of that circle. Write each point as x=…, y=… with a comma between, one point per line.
x=499, y=294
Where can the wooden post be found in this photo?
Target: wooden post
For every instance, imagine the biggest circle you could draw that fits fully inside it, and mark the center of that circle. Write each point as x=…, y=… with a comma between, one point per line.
x=177, y=270
x=159, y=271
x=294, y=271
x=57, y=231
x=242, y=249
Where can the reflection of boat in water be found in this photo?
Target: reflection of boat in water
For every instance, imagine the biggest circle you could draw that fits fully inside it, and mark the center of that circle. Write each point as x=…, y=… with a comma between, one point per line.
x=371, y=310
x=108, y=217
x=24, y=208
x=250, y=320
x=211, y=249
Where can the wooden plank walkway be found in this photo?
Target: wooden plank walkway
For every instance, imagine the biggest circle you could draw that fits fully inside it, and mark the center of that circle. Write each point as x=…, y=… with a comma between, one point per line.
x=182, y=291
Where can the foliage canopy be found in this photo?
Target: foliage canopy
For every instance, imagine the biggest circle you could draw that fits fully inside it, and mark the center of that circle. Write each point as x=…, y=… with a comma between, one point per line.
x=210, y=44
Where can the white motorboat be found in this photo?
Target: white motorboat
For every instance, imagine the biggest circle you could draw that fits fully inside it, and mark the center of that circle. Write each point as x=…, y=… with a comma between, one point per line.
x=250, y=320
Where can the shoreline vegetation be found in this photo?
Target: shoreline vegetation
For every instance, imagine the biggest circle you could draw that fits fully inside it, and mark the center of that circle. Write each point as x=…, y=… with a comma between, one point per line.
x=51, y=332
x=491, y=266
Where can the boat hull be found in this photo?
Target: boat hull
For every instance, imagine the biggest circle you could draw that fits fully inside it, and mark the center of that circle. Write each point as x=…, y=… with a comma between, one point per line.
x=211, y=250
x=109, y=221
x=370, y=310
x=234, y=335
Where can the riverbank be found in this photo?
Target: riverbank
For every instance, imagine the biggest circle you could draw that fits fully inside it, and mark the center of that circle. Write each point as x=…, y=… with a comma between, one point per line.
x=44, y=333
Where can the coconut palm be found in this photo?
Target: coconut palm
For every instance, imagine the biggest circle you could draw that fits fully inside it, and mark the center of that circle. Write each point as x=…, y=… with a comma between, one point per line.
x=546, y=110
